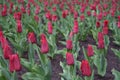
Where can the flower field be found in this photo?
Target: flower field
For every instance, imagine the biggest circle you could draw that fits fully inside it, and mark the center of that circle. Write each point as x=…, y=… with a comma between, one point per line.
x=59, y=40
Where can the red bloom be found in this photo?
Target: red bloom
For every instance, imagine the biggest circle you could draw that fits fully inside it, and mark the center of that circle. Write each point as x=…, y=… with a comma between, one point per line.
x=17, y=15
x=50, y=28
x=31, y=37
x=85, y=68
x=44, y=44
x=7, y=51
x=4, y=11
x=54, y=17
x=14, y=63
x=75, y=28
x=37, y=10
x=69, y=58
x=64, y=13
x=75, y=14
x=105, y=30
x=90, y=51
x=118, y=24
x=82, y=9
x=19, y=26
x=88, y=13
x=36, y=18
x=119, y=18
x=105, y=23
x=97, y=24
x=100, y=40
x=48, y=15
x=69, y=45
x=93, y=7
x=82, y=17
x=99, y=16
x=23, y=9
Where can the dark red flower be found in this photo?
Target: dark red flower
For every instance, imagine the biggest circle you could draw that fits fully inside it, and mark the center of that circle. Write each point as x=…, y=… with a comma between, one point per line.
x=37, y=10
x=100, y=40
x=19, y=26
x=50, y=28
x=64, y=13
x=7, y=51
x=90, y=51
x=93, y=7
x=88, y=13
x=75, y=14
x=75, y=27
x=48, y=15
x=44, y=44
x=119, y=18
x=31, y=37
x=105, y=23
x=69, y=44
x=54, y=17
x=23, y=10
x=97, y=24
x=4, y=13
x=82, y=17
x=118, y=24
x=105, y=30
x=14, y=63
x=85, y=68
x=69, y=58
x=36, y=18
x=99, y=16
x=17, y=15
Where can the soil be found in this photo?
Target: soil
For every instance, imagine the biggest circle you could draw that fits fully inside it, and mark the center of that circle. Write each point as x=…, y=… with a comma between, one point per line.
x=113, y=61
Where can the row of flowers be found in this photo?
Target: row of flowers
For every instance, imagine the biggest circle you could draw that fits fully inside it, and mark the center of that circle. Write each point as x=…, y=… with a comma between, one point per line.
x=34, y=27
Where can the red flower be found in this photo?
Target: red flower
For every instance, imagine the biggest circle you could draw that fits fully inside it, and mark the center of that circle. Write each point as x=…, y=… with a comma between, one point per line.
x=90, y=51
x=99, y=16
x=85, y=68
x=105, y=23
x=100, y=40
x=82, y=9
x=118, y=24
x=23, y=9
x=69, y=45
x=48, y=15
x=93, y=7
x=17, y=15
x=14, y=63
x=69, y=58
x=37, y=10
x=75, y=14
x=119, y=18
x=19, y=26
x=7, y=51
x=4, y=11
x=44, y=44
x=105, y=30
x=64, y=13
x=36, y=17
x=50, y=28
x=31, y=37
x=54, y=17
x=75, y=27
x=82, y=17
x=88, y=13
x=97, y=24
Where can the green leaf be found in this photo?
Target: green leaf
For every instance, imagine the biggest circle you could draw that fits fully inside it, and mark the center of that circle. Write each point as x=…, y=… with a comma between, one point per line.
x=116, y=74
x=32, y=76
x=116, y=52
x=101, y=63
